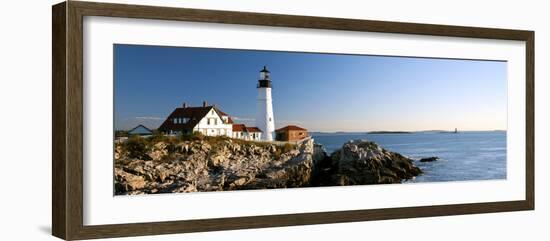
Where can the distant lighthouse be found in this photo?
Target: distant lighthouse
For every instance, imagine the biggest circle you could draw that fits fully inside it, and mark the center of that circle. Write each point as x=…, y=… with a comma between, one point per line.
x=264, y=116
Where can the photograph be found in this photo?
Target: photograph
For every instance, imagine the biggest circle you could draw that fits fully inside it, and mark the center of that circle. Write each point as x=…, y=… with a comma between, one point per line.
x=194, y=119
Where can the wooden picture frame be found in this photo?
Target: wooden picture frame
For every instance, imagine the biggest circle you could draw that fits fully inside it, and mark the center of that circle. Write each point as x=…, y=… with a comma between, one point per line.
x=67, y=124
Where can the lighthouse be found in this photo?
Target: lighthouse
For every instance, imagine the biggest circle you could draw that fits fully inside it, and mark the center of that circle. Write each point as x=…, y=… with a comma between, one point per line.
x=264, y=116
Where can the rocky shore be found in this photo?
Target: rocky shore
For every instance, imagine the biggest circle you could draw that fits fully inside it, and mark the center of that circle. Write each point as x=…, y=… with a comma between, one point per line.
x=361, y=162
x=217, y=164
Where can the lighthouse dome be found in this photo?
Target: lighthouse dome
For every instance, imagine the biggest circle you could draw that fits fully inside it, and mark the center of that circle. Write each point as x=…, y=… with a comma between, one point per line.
x=264, y=81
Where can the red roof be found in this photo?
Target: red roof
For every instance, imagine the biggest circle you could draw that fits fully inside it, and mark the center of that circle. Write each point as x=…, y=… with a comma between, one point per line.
x=239, y=127
x=229, y=120
x=253, y=129
x=243, y=128
x=221, y=112
x=291, y=128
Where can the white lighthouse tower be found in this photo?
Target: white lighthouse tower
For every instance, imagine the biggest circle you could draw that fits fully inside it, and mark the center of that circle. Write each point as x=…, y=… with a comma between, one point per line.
x=264, y=116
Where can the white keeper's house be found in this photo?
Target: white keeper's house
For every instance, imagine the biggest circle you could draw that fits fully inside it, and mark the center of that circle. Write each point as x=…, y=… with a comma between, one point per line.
x=211, y=121
x=208, y=120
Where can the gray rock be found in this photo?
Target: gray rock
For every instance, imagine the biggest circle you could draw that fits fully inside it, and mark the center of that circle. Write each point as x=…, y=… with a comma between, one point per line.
x=429, y=159
x=203, y=165
x=364, y=162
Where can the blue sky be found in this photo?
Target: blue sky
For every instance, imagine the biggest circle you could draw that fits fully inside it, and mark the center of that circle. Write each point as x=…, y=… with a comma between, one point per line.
x=321, y=92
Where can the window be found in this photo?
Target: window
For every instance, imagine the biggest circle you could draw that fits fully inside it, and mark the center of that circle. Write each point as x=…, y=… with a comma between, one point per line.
x=269, y=119
x=175, y=120
x=215, y=121
x=208, y=121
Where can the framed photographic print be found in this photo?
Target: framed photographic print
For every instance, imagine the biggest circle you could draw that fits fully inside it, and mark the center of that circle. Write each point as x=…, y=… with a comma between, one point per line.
x=213, y=120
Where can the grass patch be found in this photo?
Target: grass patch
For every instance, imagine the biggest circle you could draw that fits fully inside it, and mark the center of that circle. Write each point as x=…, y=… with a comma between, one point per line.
x=137, y=147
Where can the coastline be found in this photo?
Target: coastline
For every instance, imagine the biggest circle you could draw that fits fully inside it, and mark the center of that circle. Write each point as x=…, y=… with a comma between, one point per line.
x=220, y=164
x=468, y=155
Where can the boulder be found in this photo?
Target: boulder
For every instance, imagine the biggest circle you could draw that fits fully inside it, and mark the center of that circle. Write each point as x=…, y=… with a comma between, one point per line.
x=362, y=162
x=159, y=151
x=126, y=182
x=429, y=159
x=319, y=153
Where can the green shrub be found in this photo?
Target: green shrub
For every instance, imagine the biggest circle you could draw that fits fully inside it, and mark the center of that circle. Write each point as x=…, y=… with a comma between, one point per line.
x=136, y=147
x=215, y=140
x=191, y=136
x=197, y=136
x=121, y=133
x=288, y=147
x=172, y=144
x=157, y=137
x=277, y=153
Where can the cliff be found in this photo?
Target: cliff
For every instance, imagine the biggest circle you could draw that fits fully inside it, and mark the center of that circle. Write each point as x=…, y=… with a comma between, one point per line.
x=211, y=164
x=216, y=164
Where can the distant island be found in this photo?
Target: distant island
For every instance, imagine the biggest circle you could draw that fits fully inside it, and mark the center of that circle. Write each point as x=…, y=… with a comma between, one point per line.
x=320, y=133
x=389, y=132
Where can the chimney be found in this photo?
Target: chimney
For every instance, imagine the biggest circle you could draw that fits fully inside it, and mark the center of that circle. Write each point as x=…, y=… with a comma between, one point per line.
x=184, y=105
x=204, y=103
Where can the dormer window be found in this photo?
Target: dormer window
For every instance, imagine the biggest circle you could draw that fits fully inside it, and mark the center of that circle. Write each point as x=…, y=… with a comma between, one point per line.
x=180, y=120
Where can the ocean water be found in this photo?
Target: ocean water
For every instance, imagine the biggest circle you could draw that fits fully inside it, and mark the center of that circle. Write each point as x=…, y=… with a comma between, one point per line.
x=470, y=155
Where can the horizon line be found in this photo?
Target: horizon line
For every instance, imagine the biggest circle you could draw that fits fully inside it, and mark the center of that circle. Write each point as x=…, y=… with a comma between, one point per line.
x=366, y=131
x=388, y=131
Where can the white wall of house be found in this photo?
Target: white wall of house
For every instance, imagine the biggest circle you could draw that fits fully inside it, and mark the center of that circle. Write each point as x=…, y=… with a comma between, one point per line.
x=255, y=136
x=238, y=134
x=213, y=125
